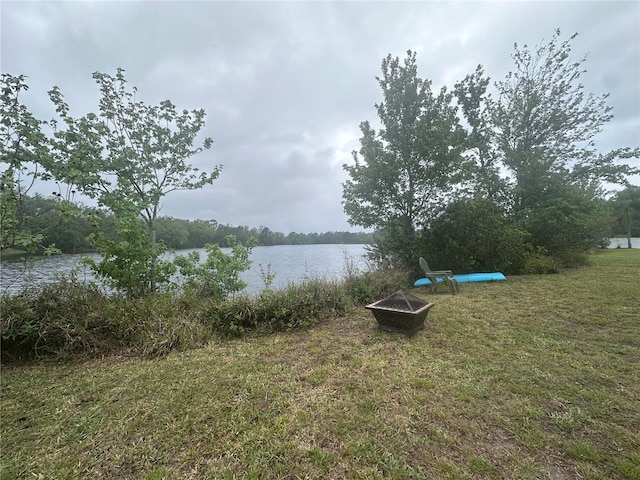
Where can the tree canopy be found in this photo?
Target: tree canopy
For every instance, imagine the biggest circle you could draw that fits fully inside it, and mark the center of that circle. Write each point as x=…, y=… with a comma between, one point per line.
x=128, y=157
x=531, y=151
x=407, y=168
x=25, y=158
x=545, y=124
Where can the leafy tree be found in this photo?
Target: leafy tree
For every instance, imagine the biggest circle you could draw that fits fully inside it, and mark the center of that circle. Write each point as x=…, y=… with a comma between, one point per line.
x=541, y=130
x=476, y=105
x=218, y=277
x=408, y=167
x=545, y=125
x=24, y=150
x=129, y=156
x=129, y=261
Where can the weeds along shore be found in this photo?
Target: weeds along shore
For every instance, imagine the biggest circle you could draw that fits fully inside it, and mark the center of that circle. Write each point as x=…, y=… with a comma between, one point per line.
x=68, y=317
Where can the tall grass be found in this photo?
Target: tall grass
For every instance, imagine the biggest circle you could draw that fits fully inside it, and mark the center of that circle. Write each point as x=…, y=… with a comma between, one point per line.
x=70, y=318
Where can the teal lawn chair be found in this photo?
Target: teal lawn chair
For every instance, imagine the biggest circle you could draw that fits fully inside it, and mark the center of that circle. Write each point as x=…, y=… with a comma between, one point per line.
x=437, y=277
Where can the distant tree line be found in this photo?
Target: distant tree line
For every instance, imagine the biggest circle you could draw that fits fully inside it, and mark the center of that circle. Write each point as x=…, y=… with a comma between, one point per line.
x=176, y=233
x=74, y=233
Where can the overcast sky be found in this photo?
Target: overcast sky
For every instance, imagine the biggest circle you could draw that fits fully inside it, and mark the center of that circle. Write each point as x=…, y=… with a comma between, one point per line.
x=285, y=85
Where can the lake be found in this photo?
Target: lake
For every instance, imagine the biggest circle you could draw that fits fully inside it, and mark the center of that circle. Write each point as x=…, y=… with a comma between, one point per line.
x=289, y=264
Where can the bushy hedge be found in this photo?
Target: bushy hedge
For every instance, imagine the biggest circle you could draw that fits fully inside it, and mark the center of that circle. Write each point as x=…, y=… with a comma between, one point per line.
x=476, y=235
x=300, y=305
x=69, y=318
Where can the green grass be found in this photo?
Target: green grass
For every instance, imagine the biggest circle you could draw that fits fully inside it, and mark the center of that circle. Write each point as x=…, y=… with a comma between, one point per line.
x=536, y=377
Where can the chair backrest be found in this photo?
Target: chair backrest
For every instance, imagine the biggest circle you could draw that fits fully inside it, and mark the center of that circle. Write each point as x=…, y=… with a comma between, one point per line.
x=424, y=266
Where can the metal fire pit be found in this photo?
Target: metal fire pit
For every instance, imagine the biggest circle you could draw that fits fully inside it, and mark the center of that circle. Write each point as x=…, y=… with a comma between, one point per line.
x=400, y=312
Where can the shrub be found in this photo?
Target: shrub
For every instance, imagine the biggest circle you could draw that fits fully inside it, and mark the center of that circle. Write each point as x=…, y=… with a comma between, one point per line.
x=18, y=326
x=301, y=305
x=130, y=263
x=568, y=219
x=218, y=277
x=69, y=317
x=538, y=263
x=298, y=305
x=63, y=316
x=475, y=234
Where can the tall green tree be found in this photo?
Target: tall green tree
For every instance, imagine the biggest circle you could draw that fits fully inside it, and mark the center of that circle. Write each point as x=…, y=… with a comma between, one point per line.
x=26, y=159
x=411, y=165
x=476, y=104
x=544, y=130
x=545, y=125
x=129, y=156
x=24, y=150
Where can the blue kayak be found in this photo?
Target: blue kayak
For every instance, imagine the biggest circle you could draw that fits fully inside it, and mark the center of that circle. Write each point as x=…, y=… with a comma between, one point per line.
x=466, y=278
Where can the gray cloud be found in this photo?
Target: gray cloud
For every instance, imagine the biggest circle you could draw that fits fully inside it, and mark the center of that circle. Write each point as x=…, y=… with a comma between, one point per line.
x=285, y=85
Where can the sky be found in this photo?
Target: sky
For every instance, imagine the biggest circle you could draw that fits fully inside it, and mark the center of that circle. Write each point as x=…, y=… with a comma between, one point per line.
x=285, y=85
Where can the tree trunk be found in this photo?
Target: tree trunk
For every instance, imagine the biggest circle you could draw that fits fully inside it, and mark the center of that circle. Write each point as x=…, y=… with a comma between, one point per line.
x=154, y=261
x=627, y=219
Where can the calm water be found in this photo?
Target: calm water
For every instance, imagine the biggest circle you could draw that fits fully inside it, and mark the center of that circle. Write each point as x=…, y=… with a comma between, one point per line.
x=289, y=264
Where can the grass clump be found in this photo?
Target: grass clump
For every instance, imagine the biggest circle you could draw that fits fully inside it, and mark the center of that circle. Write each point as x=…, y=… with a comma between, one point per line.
x=299, y=305
x=69, y=318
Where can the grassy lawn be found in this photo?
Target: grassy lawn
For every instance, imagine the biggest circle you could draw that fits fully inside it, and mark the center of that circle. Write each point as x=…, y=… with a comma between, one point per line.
x=536, y=377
